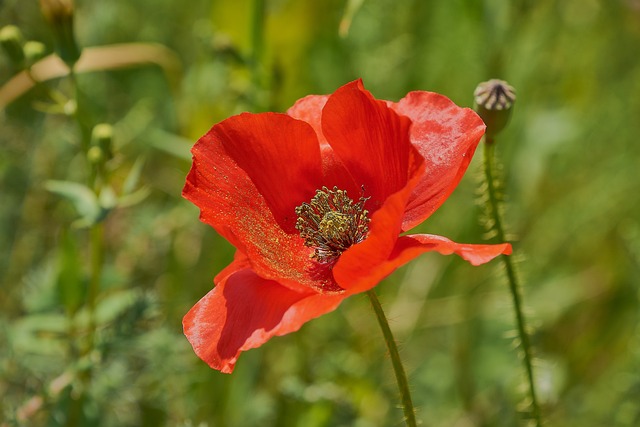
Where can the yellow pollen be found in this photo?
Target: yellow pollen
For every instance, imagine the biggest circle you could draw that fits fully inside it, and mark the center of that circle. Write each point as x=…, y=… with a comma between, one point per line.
x=331, y=223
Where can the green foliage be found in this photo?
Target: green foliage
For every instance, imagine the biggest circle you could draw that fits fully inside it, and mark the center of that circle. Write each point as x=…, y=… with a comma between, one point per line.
x=84, y=200
x=101, y=260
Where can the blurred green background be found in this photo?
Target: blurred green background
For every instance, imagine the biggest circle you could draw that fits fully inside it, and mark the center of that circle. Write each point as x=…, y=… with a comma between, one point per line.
x=571, y=158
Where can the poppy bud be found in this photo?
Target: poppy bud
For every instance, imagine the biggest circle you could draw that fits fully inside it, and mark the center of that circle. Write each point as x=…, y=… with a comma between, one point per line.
x=12, y=43
x=59, y=13
x=101, y=138
x=95, y=155
x=34, y=51
x=494, y=100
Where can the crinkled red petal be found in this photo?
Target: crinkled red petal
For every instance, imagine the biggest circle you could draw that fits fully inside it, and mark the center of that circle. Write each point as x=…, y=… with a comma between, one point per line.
x=244, y=311
x=370, y=139
x=309, y=109
x=280, y=155
x=415, y=244
x=446, y=136
x=408, y=247
x=235, y=173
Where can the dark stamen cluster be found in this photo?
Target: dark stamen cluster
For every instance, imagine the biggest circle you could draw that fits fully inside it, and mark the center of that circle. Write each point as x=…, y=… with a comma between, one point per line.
x=331, y=223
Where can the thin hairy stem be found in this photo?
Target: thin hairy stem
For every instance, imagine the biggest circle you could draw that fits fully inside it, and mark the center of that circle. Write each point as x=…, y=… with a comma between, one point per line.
x=493, y=209
x=398, y=368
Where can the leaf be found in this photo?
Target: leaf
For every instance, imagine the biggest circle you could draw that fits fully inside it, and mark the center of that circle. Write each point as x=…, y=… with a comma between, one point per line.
x=134, y=198
x=131, y=182
x=350, y=11
x=170, y=143
x=83, y=199
x=108, y=308
x=39, y=291
x=92, y=209
x=42, y=334
x=114, y=305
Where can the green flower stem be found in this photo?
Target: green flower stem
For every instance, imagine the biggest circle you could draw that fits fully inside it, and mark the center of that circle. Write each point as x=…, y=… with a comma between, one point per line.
x=514, y=286
x=97, y=261
x=80, y=115
x=401, y=376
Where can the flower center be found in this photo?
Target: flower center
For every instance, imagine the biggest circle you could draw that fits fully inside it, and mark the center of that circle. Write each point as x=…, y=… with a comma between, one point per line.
x=331, y=223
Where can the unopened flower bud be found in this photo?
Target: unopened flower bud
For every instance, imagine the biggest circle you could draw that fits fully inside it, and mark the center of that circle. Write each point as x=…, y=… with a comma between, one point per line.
x=59, y=13
x=95, y=155
x=70, y=107
x=12, y=43
x=57, y=10
x=102, y=137
x=34, y=51
x=494, y=100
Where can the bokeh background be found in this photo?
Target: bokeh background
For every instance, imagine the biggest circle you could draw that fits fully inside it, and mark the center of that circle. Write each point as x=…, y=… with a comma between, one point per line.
x=571, y=167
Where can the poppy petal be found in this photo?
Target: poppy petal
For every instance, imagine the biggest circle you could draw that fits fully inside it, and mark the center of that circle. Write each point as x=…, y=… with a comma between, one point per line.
x=370, y=139
x=231, y=203
x=281, y=155
x=446, y=136
x=244, y=311
x=240, y=262
x=309, y=109
x=355, y=270
x=409, y=247
x=474, y=254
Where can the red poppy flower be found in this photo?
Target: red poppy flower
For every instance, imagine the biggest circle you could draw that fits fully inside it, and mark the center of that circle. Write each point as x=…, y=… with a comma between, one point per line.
x=315, y=202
